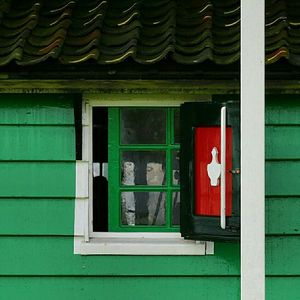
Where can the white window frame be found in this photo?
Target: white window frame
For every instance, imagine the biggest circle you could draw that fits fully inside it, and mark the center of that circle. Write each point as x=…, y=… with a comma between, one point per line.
x=87, y=242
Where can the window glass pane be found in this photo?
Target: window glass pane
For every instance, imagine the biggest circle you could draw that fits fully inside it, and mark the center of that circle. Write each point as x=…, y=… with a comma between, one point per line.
x=176, y=170
x=143, y=126
x=143, y=167
x=143, y=208
x=176, y=126
x=176, y=208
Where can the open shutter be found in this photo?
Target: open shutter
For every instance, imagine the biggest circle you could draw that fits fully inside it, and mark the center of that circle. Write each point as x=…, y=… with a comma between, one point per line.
x=210, y=171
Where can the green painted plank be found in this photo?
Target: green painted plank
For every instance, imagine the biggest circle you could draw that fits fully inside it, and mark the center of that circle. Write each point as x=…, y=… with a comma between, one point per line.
x=36, y=109
x=137, y=288
x=282, y=215
x=56, y=216
x=283, y=110
x=282, y=255
x=37, y=179
x=278, y=288
x=282, y=142
x=36, y=216
x=37, y=142
x=282, y=178
x=54, y=256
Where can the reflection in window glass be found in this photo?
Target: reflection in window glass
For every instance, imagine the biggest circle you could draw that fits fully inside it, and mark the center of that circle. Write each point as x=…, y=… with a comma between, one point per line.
x=143, y=126
x=175, y=166
x=143, y=167
x=176, y=208
x=143, y=208
x=176, y=127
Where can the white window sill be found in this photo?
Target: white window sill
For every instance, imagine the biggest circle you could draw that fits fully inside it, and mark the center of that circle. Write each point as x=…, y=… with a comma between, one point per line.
x=141, y=244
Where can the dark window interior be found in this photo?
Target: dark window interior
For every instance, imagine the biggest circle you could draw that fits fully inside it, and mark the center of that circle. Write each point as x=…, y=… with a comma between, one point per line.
x=100, y=157
x=78, y=126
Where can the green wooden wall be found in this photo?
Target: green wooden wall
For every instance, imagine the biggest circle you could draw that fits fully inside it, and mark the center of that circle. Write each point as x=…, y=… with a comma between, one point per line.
x=37, y=188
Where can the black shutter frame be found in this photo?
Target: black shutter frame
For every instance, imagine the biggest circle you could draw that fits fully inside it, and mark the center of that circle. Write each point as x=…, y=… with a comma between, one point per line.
x=194, y=227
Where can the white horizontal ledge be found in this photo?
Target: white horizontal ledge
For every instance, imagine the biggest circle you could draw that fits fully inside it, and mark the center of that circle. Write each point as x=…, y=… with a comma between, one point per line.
x=144, y=244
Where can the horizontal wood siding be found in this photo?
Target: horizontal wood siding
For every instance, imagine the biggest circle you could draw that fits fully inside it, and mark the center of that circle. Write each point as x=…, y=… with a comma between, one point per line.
x=37, y=216
x=38, y=142
x=137, y=288
x=47, y=216
x=282, y=215
x=37, y=190
x=282, y=197
x=41, y=109
x=44, y=255
x=37, y=184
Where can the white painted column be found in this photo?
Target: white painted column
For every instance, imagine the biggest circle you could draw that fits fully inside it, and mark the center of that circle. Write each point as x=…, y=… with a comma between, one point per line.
x=252, y=150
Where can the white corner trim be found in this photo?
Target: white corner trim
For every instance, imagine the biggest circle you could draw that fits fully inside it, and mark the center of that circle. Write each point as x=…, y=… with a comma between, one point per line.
x=82, y=199
x=82, y=182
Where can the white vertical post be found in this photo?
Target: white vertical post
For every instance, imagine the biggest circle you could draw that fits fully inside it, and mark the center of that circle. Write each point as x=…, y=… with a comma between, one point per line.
x=252, y=150
x=223, y=167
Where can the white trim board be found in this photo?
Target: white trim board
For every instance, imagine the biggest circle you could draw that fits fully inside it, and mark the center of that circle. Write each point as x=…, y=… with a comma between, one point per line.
x=159, y=100
x=129, y=244
x=252, y=150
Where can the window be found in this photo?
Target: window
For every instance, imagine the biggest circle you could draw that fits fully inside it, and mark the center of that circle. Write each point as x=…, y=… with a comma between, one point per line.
x=131, y=165
x=140, y=191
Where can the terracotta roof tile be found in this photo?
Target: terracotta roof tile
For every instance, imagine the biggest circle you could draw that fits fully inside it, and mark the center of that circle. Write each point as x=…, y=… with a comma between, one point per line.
x=109, y=31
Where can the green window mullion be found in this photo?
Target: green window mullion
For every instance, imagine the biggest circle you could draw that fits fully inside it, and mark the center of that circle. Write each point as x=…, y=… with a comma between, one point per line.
x=143, y=188
x=114, y=213
x=141, y=228
x=175, y=188
x=168, y=168
x=171, y=121
x=142, y=147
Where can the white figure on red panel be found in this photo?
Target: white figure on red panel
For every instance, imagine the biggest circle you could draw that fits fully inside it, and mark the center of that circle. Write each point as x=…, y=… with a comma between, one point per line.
x=214, y=168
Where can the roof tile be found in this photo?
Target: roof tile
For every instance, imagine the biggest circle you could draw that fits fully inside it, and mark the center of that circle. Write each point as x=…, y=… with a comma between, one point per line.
x=108, y=31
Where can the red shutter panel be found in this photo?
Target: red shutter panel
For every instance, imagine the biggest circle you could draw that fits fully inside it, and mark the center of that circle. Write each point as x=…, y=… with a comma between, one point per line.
x=207, y=197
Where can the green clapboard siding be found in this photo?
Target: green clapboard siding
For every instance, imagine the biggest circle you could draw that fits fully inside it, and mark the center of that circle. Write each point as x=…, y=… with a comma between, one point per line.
x=283, y=142
x=282, y=255
x=78, y=288
x=37, y=179
x=36, y=216
x=37, y=191
x=282, y=215
x=282, y=110
x=54, y=256
x=55, y=216
x=278, y=288
x=36, y=109
x=137, y=288
x=282, y=178
x=37, y=143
